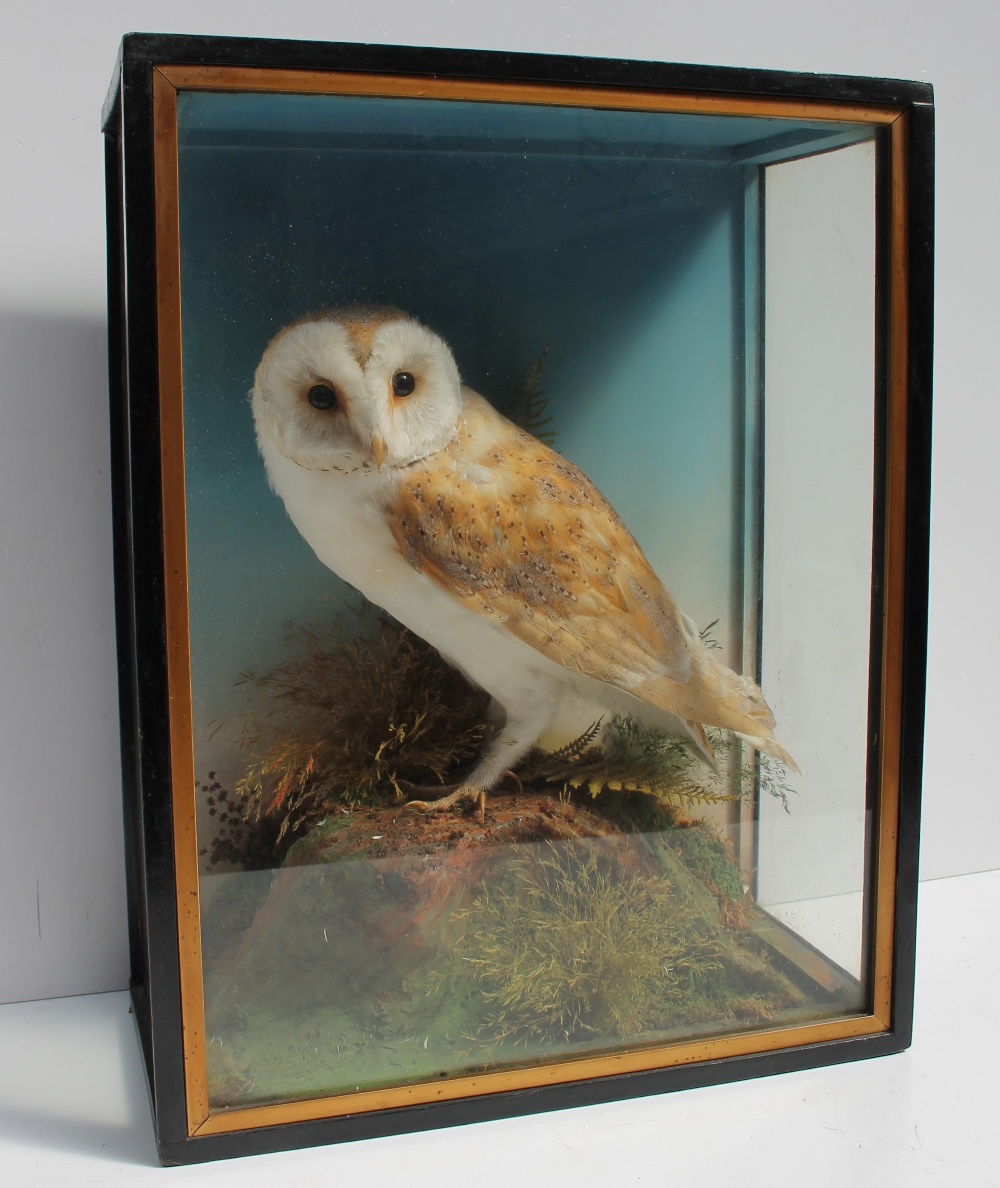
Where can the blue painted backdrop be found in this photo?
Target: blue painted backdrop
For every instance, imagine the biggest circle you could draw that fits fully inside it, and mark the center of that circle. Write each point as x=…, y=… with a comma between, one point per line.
x=614, y=239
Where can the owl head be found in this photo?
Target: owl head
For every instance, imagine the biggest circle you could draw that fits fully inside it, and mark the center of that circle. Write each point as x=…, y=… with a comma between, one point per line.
x=363, y=383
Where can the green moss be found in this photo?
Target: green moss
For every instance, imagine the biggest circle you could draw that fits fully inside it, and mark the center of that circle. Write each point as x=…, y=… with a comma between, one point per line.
x=571, y=945
x=353, y=975
x=637, y=812
x=707, y=856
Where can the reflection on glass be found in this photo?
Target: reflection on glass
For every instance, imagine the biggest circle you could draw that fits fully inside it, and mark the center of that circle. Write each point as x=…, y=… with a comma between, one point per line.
x=631, y=881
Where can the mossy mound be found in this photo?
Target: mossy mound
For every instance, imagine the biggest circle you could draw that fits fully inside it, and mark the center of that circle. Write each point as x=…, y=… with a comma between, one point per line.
x=586, y=911
x=396, y=946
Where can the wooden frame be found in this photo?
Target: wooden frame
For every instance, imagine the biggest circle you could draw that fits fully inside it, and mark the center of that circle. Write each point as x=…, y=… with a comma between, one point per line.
x=152, y=568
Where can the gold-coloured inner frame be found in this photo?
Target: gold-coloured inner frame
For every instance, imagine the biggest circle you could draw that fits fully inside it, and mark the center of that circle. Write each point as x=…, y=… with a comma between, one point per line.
x=167, y=81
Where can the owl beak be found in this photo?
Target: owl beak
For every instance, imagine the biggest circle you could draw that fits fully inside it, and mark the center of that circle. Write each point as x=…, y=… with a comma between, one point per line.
x=378, y=449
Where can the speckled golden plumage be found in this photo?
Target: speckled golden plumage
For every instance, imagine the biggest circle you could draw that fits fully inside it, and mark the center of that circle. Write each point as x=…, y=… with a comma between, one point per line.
x=529, y=541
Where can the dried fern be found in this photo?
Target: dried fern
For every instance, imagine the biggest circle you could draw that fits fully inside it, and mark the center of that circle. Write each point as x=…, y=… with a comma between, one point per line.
x=532, y=403
x=351, y=716
x=772, y=779
x=708, y=639
x=355, y=714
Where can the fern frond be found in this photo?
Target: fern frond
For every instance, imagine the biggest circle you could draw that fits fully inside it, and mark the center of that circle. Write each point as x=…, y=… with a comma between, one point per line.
x=630, y=757
x=532, y=403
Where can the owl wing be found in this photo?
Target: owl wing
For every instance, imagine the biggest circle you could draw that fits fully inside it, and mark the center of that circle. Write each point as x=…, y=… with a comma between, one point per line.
x=521, y=536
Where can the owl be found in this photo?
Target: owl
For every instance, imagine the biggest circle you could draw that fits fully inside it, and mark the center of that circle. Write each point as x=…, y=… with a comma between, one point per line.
x=483, y=541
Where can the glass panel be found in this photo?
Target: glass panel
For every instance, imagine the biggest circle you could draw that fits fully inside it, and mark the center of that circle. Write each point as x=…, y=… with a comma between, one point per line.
x=597, y=276
x=820, y=332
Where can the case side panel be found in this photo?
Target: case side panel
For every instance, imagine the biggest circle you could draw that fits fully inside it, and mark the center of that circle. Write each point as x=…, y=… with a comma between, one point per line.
x=753, y=487
x=121, y=483
x=891, y=901
x=919, y=419
x=152, y=760
x=883, y=260
x=111, y=110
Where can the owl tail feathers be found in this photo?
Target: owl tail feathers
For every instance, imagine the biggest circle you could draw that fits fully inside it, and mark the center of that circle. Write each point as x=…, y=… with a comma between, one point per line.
x=700, y=743
x=724, y=699
x=771, y=747
x=757, y=728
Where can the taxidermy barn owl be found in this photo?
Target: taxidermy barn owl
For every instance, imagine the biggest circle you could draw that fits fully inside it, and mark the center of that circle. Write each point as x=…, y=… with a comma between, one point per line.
x=482, y=540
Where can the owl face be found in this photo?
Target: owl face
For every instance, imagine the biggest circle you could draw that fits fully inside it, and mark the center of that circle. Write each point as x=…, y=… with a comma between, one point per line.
x=362, y=384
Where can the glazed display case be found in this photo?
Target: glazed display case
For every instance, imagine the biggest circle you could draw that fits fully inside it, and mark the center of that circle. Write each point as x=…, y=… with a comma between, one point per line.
x=521, y=490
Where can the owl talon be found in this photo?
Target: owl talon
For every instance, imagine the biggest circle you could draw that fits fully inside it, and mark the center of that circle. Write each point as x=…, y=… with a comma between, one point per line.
x=462, y=793
x=512, y=775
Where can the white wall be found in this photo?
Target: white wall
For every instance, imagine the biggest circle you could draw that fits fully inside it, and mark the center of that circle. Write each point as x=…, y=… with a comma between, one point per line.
x=61, y=885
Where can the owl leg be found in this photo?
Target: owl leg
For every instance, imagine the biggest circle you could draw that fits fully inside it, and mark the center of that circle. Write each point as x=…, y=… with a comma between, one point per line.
x=519, y=734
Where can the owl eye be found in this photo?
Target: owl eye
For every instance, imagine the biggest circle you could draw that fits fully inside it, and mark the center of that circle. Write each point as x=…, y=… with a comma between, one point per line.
x=322, y=396
x=403, y=383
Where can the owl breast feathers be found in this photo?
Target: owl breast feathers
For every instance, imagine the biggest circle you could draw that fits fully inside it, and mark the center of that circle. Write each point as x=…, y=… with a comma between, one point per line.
x=478, y=537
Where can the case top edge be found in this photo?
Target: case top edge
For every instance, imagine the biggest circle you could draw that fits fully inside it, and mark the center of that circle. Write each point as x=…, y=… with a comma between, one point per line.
x=516, y=66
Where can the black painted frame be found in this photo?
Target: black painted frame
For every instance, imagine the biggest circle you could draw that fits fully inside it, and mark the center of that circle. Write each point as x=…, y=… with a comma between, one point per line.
x=140, y=587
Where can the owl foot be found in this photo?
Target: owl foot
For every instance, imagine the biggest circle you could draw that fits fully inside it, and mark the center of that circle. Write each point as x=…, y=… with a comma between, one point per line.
x=437, y=791
x=426, y=791
x=447, y=795
x=462, y=792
